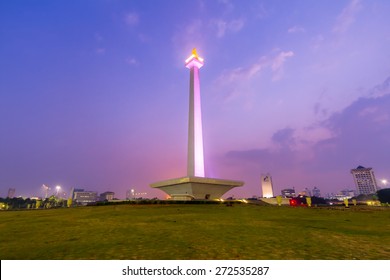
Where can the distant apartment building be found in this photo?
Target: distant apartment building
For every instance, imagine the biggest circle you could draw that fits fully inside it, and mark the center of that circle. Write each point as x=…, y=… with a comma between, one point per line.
x=288, y=192
x=347, y=192
x=316, y=192
x=305, y=192
x=266, y=185
x=73, y=191
x=106, y=196
x=343, y=194
x=365, y=181
x=82, y=197
x=130, y=194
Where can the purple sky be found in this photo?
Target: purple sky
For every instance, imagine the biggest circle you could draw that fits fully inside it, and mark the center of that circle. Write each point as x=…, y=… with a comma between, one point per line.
x=94, y=94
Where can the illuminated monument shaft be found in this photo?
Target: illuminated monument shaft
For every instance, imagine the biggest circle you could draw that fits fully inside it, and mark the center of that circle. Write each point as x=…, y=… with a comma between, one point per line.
x=195, y=160
x=195, y=185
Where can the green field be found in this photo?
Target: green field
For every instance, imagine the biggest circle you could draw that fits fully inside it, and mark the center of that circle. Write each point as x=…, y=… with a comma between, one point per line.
x=183, y=232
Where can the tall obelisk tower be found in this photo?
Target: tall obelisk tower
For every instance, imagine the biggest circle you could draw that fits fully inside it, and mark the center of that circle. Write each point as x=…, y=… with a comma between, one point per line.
x=195, y=185
x=195, y=160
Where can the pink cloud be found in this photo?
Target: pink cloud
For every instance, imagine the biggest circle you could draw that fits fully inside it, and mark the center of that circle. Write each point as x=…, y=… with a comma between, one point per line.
x=324, y=153
x=347, y=16
x=234, y=82
x=241, y=74
x=278, y=64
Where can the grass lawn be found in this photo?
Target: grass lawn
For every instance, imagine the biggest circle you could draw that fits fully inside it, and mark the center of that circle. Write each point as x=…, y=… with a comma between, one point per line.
x=196, y=232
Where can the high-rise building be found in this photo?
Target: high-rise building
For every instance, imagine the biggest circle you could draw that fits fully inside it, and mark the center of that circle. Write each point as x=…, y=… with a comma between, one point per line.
x=305, y=192
x=266, y=185
x=106, y=196
x=364, y=180
x=316, y=192
x=11, y=193
x=85, y=197
x=73, y=191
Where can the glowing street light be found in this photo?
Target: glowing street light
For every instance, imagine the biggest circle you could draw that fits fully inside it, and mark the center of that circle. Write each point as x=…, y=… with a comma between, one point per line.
x=58, y=188
x=384, y=182
x=46, y=190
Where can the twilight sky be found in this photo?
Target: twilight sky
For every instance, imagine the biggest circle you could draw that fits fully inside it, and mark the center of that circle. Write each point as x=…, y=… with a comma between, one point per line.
x=94, y=94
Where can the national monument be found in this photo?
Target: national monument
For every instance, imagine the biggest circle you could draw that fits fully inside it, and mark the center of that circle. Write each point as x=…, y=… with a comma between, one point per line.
x=195, y=185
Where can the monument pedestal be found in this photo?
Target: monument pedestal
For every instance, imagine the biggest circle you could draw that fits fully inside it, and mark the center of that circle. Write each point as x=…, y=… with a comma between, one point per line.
x=188, y=188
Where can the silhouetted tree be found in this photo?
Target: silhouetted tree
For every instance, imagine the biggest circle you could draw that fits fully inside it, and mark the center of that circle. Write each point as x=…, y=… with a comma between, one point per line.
x=384, y=195
x=318, y=200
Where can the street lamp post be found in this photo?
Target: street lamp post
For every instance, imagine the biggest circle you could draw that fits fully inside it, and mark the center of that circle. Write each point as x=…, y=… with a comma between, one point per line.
x=46, y=190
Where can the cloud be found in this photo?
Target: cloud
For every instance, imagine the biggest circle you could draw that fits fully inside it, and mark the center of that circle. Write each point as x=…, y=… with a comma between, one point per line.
x=319, y=110
x=131, y=19
x=223, y=26
x=236, y=82
x=368, y=111
x=296, y=29
x=284, y=137
x=357, y=135
x=361, y=135
x=277, y=65
x=374, y=113
x=382, y=89
x=282, y=155
x=241, y=74
x=347, y=16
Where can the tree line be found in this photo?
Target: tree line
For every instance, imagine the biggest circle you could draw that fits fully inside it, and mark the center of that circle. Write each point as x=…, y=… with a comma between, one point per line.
x=16, y=203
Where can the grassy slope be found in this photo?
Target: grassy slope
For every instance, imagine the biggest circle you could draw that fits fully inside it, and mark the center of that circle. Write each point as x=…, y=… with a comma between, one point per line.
x=195, y=232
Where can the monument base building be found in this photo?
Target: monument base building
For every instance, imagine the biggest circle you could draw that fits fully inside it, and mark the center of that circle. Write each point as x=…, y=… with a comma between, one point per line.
x=189, y=188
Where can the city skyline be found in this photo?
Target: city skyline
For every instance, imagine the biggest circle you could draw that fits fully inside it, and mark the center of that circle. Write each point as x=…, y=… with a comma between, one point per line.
x=94, y=95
